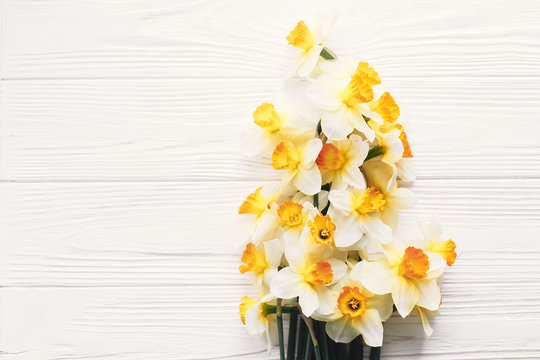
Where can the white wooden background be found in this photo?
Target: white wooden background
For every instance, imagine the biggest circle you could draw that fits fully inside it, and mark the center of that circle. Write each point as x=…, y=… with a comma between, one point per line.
x=121, y=171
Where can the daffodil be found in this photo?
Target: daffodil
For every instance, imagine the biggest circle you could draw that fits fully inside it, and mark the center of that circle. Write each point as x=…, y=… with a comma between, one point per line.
x=262, y=262
x=311, y=42
x=435, y=243
x=261, y=219
x=308, y=277
x=409, y=274
x=355, y=214
x=340, y=162
x=289, y=116
x=343, y=100
x=357, y=311
x=382, y=177
x=253, y=315
x=299, y=160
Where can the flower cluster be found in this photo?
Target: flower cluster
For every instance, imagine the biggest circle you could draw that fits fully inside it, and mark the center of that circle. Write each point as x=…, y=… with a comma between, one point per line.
x=323, y=240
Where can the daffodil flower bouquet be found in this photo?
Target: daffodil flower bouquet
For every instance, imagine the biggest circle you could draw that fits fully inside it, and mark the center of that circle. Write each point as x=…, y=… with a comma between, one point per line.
x=321, y=245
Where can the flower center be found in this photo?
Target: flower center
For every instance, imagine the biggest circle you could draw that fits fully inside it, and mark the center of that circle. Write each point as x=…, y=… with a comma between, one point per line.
x=322, y=229
x=351, y=302
x=267, y=118
x=254, y=204
x=414, y=264
x=290, y=213
x=301, y=37
x=285, y=156
x=370, y=200
x=254, y=261
x=319, y=273
x=330, y=158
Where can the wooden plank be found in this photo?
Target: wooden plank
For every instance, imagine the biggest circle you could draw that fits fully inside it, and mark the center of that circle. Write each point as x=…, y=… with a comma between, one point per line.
x=179, y=234
x=202, y=322
x=137, y=130
x=167, y=38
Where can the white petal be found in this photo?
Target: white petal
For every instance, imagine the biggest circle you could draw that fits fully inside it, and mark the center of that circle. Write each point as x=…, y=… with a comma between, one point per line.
x=341, y=200
x=327, y=300
x=405, y=295
x=402, y=198
x=370, y=326
x=376, y=276
x=311, y=151
x=430, y=294
x=360, y=148
x=255, y=323
x=308, y=299
x=266, y=227
x=383, y=304
x=324, y=93
x=268, y=276
x=287, y=284
x=376, y=230
x=428, y=330
x=310, y=61
x=342, y=330
x=273, y=250
x=380, y=174
x=352, y=175
x=308, y=180
x=349, y=231
x=437, y=265
x=335, y=124
x=339, y=269
x=405, y=170
x=361, y=125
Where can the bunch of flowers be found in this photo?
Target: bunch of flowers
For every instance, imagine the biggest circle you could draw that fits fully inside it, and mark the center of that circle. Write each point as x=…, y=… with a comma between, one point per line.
x=321, y=245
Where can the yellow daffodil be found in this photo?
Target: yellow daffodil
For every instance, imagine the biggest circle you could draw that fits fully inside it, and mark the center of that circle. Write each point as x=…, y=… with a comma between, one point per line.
x=262, y=262
x=261, y=219
x=311, y=41
x=355, y=214
x=382, y=177
x=340, y=162
x=357, y=311
x=308, y=277
x=343, y=100
x=253, y=315
x=408, y=273
x=435, y=243
x=299, y=160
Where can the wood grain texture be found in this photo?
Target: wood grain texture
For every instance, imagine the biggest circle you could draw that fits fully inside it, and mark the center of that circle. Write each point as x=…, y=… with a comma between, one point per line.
x=209, y=39
x=121, y=168
x=125, y=130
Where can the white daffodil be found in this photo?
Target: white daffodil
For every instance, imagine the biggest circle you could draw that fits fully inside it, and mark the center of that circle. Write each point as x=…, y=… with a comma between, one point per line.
x=435, y=243
x=355, y=213
x=308, y=277
x=343, y=99
x=253, y=315
x=311, y=42
x=261, y=219
x=409, y=274
x=357, y=311
x=262, y=262
x=383, y=177
x=299, y=160
x=289, y=116
x=340, y=162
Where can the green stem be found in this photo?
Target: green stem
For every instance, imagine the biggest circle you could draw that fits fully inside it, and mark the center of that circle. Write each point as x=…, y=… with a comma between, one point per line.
x=331, y=348
x=316, y=201
x=291, y=344
x=341, y=351
x=322, y=336
x=326, y=54
x=357, y=349
x=374, y=152
x=272, y=309
x=375, y=353
x=302, y=334
x=309, y=349
x=279, y=316
x=309, y=324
